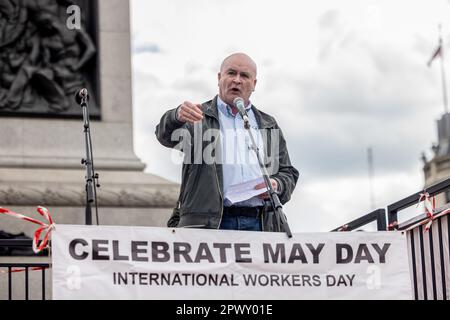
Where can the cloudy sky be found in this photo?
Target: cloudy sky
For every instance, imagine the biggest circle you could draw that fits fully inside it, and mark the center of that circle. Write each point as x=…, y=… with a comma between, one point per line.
x=339, y=77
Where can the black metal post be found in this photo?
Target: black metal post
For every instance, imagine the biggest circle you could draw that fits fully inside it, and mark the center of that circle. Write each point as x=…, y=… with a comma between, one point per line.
x=378, y=215
x=88, y=160
x=43, y=284
x=274, y=200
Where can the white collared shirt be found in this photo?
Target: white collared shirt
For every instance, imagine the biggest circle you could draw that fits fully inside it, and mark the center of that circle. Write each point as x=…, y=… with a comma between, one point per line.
x=239, y=161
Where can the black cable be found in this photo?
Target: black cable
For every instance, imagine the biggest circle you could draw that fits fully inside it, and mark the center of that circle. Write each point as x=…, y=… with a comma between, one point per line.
x=93, y=173
x=94, y=178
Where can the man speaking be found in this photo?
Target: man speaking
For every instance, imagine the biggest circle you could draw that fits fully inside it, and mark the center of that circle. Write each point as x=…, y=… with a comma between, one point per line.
x=224, y=189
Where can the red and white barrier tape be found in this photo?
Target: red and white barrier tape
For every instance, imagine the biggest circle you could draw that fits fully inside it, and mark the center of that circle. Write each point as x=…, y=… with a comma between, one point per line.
x=343, y=228
x=15, y=270
x=47, y=227
x=430, y=208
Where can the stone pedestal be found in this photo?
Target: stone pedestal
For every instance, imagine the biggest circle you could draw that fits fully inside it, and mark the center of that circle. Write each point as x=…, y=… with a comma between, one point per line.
x=125, y=197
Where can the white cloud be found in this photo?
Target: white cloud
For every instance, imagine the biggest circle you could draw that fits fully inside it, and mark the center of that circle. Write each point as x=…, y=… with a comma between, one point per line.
x=338, y=77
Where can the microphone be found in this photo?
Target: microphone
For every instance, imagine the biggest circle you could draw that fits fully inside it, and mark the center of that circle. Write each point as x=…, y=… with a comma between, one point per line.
x=81, y=95
x=239, y=104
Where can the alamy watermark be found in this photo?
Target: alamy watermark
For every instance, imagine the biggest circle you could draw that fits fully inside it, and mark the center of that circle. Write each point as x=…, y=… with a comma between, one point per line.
x=73, y=21
x=373, y=281
x=210, y=146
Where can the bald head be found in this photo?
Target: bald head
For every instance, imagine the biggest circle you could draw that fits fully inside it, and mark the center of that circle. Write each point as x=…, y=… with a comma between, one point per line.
x=237, y=78
x=242, y=58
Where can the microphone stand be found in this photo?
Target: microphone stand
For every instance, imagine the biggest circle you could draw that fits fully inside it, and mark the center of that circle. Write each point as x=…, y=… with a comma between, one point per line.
x=274, y=200
x=88, y=161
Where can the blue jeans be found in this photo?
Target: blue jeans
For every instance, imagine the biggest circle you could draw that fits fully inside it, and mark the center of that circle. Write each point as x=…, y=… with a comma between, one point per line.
x=240, y=223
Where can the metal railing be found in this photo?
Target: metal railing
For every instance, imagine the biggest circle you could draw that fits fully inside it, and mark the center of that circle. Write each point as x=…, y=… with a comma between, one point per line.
x=7, y=270
x=393, y=209
x=26, y=268
x=428, y=256
x=379, y=215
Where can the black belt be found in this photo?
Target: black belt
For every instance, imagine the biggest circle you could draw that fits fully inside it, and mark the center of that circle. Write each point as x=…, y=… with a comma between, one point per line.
x=253, y=212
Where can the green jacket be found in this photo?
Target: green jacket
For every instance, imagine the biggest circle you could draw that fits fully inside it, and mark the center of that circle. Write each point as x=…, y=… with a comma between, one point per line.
x=200, y=202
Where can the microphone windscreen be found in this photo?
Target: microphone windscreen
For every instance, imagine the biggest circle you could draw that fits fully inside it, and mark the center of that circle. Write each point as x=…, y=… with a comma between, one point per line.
x=239, y=104
x=80, y=94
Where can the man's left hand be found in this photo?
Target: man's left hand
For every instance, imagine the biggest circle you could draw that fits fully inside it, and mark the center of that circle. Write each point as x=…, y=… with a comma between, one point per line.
x=265, y=195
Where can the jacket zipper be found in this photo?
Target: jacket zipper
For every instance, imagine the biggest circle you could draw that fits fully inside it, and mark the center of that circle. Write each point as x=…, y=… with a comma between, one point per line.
x=218, y=182
x=220, y=194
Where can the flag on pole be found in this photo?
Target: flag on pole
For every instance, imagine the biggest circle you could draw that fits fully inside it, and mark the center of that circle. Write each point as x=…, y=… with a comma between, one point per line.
x=437, y=53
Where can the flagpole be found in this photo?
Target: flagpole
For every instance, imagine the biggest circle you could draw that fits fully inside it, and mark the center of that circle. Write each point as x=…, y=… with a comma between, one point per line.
x=444, y=85
x=371, y=189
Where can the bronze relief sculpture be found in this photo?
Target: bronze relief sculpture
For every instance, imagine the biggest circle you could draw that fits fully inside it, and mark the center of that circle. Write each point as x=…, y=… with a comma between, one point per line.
x=42, y=61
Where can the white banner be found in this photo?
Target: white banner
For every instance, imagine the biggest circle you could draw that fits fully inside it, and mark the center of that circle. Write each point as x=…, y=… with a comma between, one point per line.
x=109, y=262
